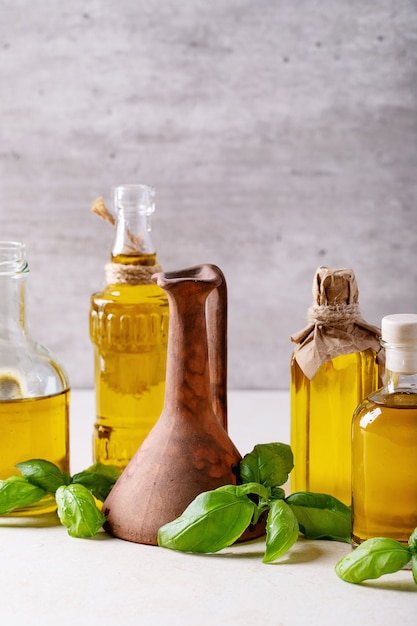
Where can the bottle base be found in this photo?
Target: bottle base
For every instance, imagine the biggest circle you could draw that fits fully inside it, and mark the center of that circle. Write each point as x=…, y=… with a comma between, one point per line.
x=48, y=520
x=45, y=506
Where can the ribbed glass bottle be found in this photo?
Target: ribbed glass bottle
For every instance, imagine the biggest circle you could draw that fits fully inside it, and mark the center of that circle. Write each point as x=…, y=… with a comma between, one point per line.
x=129, y=330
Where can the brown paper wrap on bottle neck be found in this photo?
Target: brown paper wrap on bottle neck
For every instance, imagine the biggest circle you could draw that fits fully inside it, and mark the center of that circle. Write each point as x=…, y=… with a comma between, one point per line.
x=335, y=323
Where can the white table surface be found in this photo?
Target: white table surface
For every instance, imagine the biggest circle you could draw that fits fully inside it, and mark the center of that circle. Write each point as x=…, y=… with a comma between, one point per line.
x=50, y=578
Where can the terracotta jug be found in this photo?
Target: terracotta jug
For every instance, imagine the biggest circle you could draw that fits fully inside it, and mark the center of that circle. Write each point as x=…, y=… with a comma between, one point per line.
x=188, y=451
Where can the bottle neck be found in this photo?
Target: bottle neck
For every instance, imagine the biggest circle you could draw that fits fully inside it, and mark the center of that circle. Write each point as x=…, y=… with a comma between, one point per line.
x=12, y=307
x=133, y=243
x=401, y=368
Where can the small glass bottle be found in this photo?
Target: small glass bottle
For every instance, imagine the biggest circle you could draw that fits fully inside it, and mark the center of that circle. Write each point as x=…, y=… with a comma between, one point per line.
x=384, y=442
x=129, y=330
x=334, y=367
x=34, y=389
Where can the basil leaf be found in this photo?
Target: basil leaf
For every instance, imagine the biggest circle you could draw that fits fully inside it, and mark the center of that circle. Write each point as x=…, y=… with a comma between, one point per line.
x=412, y=546
x=98, y=478
x=268, y=464
x=281, y=530
x=277, y=493
x=214, y=520
x=16, y=492
x=412, y=542
x=251, y=489
x=110, y=471
x=372, y=559
x=77, y=511
x=321, y=516
x=44, y=474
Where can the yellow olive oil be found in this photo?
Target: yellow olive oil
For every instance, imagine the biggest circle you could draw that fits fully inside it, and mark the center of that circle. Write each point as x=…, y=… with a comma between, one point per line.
x=321, y=421
x=129, y=330
x=384, y=474
x=34, y=428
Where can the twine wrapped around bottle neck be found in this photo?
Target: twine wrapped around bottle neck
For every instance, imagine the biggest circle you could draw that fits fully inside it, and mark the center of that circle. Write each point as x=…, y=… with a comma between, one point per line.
x=121, y=273
x=332, y=314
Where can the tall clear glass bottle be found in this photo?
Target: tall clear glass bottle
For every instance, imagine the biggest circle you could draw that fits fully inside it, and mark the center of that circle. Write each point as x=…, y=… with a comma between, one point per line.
x=34, y=389
x=333, y=367
x=384, y=442
x=129, y=330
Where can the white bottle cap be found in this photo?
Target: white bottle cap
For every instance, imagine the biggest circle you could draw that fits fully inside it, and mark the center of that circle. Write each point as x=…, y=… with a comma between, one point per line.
x=399, y=337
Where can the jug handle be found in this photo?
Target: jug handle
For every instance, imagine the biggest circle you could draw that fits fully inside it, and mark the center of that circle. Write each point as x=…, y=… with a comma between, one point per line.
x=217, y=347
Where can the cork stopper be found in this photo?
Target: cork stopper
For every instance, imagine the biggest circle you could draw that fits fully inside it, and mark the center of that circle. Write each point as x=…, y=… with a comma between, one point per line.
x=335, y=324
x=335, y=286
x=335, y=297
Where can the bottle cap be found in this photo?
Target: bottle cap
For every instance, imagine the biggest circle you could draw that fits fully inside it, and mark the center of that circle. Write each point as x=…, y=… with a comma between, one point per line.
x=400, y=328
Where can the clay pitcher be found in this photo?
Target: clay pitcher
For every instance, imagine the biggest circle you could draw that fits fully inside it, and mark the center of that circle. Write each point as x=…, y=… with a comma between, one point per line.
x=188, y=451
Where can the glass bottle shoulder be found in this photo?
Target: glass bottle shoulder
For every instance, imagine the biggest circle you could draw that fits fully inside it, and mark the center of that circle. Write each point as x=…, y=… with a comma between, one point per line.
x=125, y=294
x=29, y=370
x=364, y=362
x=392, y=399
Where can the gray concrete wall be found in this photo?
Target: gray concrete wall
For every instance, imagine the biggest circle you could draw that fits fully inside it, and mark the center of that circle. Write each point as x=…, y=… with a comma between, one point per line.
x=279, y=136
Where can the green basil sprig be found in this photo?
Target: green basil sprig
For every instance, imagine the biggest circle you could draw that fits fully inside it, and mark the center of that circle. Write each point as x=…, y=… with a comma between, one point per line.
x=44, y=474
x=281, y=531
x=378, y=556
x=268, y=464
x=98, y=478
x=78, y=511
x=217, y=518
x=16, y=492
x=75, y=495
x=226, y=508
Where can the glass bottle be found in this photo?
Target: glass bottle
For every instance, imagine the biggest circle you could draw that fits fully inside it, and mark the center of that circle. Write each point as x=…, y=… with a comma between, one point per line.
x=129, y=330
x=334, y=367
x=384, y=442
x=34, y=389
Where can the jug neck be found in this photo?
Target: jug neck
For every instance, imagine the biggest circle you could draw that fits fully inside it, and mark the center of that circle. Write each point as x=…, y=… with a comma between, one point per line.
x=133, y=206
x=195, y=381
x=188, y=378
x=13, y=274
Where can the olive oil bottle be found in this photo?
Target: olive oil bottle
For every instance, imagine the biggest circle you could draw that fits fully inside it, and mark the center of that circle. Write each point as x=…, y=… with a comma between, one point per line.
x=334, y=366
x=34, y=389
x=129, y=331
x=321, y=433
x=384, y=442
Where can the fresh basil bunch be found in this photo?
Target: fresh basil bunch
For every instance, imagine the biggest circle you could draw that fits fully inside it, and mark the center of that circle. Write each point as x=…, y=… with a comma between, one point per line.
x=378, y=556
x=75, y=495
x=216, y=519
